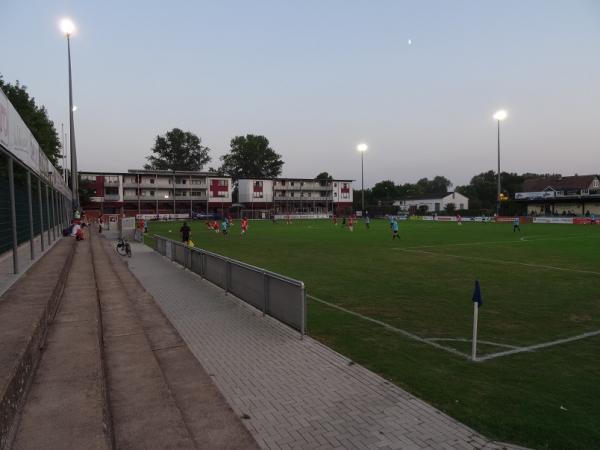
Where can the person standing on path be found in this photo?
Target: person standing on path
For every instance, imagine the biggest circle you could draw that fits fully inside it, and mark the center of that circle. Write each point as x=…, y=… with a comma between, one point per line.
x=367, y=220
x=185, y=233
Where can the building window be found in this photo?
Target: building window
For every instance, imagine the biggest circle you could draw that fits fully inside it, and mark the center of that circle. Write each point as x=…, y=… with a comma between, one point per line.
x=196, y=181
x=152, y=182
x=462, y=206
x=257, y=195
x=291, y=194
x=223, y=183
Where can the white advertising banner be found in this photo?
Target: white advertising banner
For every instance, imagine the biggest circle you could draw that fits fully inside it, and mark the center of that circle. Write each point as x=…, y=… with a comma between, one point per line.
x=558, y=220
x=16, y=138
x=534, y=195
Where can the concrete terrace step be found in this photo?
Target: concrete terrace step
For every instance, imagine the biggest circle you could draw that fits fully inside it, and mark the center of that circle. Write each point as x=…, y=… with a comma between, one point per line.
x=144, y=413
x=66, y=406
x=26, y=309
x=209, y=418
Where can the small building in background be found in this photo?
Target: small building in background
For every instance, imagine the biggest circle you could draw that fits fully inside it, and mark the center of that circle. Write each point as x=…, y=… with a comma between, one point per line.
x=156, y=192
x=436, y=203
x=577, y=195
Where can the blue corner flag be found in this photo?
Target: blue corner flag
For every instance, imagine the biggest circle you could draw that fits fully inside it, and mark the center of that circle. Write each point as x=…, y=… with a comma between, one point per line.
x=477, y=297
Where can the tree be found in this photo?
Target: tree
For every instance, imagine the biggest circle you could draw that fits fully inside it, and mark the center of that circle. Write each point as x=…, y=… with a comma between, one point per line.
x=436, y=186
x=36, y=119
x=450, y=208
x=384, y=191
x=178, y=150
x=324, y=176
x=85, y=191
x=251, y=157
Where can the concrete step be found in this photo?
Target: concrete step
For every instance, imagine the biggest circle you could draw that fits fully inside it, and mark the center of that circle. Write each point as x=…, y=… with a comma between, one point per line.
x=144, y=413
x=26, y=309
x=209, y=418
x=66, y=407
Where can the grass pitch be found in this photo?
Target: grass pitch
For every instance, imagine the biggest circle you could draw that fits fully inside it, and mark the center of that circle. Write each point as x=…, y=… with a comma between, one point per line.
x=539, y=286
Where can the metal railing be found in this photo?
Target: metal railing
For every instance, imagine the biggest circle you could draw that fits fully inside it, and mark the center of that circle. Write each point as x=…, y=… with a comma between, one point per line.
x=276, y=295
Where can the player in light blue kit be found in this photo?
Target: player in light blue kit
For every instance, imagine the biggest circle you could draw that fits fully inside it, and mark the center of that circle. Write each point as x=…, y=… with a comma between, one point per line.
x=516, y=225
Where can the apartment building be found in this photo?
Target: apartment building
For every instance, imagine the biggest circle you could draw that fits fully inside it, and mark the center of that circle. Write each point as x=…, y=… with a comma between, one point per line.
x=296, y=195
x=156, y=192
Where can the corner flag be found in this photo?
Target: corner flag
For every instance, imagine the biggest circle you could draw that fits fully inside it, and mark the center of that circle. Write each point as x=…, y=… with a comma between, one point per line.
x=477, y=297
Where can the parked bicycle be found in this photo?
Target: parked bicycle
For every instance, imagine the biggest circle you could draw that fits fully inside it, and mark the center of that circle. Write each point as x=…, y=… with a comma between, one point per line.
x=123, y=248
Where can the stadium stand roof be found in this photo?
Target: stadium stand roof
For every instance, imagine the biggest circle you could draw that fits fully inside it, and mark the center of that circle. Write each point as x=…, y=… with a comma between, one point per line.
x=558, y=183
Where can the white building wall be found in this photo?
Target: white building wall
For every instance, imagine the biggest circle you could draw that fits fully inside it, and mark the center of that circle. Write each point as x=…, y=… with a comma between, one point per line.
x=246, y=192
x=338, y=195
x=222, y=196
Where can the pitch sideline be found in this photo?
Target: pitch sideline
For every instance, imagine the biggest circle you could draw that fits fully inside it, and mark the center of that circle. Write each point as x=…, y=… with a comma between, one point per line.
x=501, y=261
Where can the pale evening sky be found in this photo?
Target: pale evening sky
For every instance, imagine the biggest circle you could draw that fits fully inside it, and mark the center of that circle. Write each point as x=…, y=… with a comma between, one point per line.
x=319, y=76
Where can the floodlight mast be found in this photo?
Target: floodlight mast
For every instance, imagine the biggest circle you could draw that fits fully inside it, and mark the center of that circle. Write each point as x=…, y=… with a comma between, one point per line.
x=499, y=116
x=362, y=148
x=68, y=27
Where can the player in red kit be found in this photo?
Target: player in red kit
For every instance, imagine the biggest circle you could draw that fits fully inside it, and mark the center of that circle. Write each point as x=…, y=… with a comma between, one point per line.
x=244, y=227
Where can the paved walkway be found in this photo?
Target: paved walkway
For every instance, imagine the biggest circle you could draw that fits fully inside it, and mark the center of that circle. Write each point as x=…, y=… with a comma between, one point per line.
x=293, y=393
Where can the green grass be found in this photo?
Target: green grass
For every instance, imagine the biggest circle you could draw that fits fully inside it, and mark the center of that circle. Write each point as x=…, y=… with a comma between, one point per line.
x=423, y=284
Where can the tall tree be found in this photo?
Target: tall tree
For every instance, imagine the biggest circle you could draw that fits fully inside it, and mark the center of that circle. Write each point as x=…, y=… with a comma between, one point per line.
x=36, y=119
x=384, y=191
x=251, y=157
x=324, y=176
x=178, y=150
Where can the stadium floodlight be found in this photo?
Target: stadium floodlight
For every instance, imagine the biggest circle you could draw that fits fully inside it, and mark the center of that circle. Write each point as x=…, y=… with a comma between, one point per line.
x=362, y=148
x=499, y=116
x=67, y=26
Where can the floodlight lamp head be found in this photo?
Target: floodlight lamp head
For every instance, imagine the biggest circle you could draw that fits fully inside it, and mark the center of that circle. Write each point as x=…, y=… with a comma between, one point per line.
x=500, y=114
x=362, y=147
x=67, y=26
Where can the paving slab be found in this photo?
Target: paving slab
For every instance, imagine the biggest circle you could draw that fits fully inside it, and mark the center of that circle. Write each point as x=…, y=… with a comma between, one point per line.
x=292, y=393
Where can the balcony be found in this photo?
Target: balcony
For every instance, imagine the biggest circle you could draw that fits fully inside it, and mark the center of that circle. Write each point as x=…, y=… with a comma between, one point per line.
x=111, y=197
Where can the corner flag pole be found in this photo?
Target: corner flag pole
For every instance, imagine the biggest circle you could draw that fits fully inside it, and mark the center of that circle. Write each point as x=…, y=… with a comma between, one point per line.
x=477, y=302
x=475, y=317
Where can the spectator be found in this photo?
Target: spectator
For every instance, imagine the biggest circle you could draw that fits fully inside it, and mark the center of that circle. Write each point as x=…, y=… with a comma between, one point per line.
x=185, y=233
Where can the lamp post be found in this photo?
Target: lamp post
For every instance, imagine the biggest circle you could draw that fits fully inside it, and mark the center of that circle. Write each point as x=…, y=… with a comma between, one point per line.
x=362, y=148
x=499, y=116
x=68, y=27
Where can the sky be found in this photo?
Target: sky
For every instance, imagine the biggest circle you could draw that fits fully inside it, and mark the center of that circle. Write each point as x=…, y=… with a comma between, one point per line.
x=317, y=77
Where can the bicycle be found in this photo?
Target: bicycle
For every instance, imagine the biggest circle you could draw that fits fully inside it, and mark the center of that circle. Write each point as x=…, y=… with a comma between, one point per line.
x=123, y=248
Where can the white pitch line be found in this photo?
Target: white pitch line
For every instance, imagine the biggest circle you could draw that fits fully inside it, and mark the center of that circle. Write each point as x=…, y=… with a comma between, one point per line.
x=495, y=344
x=392, y=328
x=501, y=261
x=518, y=241
x=538, y=346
